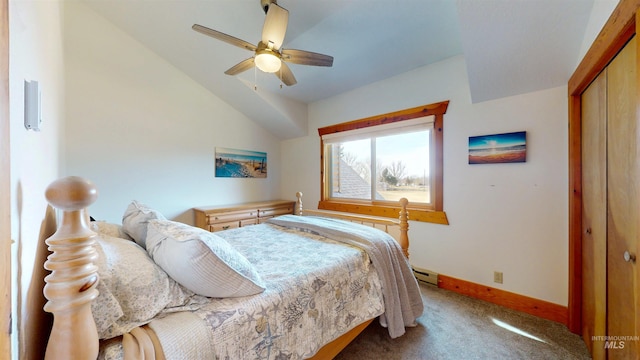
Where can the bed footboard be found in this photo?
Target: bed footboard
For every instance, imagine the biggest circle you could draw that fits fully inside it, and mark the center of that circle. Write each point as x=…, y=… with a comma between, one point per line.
x=401, y=234
x=71, y=286
x=401, y=225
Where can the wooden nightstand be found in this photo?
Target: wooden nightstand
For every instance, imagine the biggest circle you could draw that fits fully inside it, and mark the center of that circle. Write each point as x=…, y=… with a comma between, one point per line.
x=217, y=218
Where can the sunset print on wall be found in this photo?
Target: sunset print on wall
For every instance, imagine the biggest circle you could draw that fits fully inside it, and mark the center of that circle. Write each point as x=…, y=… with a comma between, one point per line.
x=498, y=148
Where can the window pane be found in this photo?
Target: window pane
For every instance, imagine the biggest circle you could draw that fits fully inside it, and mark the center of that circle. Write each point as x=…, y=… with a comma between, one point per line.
x=350, y=169
x=402, y=167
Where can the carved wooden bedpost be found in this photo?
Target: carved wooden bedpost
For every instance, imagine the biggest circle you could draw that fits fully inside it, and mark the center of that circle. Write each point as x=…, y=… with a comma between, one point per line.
x=298, y=209
x=71, y=286
x=404, y=227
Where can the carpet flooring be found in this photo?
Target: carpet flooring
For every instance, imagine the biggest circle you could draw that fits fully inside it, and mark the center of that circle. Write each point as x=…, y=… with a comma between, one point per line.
x=458, y=327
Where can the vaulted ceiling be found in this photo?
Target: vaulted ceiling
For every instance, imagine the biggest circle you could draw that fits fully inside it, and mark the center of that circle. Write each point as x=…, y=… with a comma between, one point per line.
x=510, y=46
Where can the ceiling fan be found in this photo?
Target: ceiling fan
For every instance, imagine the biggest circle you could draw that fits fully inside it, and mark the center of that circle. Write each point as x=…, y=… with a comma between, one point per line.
x=268, y=54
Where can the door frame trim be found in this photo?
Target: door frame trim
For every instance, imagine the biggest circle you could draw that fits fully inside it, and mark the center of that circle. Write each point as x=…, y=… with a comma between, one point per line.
x=617, y=31
x=5, y=187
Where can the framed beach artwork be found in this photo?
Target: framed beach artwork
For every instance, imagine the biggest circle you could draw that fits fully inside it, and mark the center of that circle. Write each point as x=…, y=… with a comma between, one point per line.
x=240, y=163
x=498, y=148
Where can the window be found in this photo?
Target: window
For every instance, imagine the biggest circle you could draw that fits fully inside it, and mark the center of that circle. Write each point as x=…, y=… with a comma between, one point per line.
x=369, y=164
x=382, y=163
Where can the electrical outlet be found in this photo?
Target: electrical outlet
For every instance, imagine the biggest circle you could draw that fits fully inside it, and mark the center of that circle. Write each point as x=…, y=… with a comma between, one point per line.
x=497, y=277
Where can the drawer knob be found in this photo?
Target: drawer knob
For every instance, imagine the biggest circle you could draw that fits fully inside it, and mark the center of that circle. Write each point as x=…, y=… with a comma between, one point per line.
x=629, y=257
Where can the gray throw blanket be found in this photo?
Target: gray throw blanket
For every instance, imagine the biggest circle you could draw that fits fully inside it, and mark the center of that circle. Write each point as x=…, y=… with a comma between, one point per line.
x=400, y=290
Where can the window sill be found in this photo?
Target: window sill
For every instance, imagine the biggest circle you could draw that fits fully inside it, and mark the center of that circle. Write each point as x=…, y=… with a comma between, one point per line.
x=415, y=214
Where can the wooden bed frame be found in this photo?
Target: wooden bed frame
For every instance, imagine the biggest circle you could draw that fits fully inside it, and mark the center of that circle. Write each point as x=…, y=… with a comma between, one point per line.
x=71, y=285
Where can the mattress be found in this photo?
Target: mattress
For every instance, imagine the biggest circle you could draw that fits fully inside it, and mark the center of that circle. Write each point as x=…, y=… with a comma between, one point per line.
x=316, y=290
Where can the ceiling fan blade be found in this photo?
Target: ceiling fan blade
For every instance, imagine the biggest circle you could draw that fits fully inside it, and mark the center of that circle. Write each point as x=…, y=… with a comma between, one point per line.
x=224, y=37
x=303, y=57
x=286, y=75
x=275, y=26
x=242, y=66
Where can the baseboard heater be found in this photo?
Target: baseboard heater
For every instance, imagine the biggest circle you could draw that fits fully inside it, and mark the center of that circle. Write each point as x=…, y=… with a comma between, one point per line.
x=426, y=276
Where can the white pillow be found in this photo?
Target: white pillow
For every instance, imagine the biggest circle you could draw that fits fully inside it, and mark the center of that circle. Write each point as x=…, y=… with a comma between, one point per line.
x=135, y=219
x=133, y=289
x=105, y=228
x=201, y=261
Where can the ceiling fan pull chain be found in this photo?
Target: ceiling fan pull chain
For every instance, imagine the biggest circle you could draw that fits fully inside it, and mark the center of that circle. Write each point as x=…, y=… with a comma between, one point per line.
x=281, y=78
x=255, y=78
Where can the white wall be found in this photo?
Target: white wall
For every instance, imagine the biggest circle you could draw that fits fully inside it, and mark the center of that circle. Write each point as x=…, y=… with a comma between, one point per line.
x=600, y=13
x=505, y=217
x=140, y=129
x=35, y=54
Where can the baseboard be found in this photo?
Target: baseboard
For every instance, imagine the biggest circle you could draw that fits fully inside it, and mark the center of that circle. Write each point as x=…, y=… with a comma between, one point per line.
x=540, y=308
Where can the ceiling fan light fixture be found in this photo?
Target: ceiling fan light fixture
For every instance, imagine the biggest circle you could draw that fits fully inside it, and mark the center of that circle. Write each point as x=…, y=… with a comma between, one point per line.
x=268, y=56
x=268, y=62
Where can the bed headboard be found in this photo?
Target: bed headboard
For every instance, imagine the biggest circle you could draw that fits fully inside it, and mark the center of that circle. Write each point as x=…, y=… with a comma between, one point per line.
x=71, y=286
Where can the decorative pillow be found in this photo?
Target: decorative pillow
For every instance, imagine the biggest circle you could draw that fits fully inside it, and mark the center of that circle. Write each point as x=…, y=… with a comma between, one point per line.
x=135, y=219
x=133, y=289
x=201, y=261
x=105, y=228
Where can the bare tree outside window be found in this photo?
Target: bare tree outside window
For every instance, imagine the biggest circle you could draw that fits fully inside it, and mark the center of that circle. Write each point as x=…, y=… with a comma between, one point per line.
x=402, y=162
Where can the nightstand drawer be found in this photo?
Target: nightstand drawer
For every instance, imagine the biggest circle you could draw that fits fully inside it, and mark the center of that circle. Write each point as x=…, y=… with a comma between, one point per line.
x=224, y=226
x=247, y=222
x=264, y=219
x=275, y=211
x=232, y=216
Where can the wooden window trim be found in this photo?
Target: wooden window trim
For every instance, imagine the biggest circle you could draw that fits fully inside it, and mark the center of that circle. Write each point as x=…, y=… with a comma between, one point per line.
x=416, y=213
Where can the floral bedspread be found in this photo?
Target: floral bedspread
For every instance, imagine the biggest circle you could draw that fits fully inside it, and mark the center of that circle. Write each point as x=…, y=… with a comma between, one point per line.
x=317, y=289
